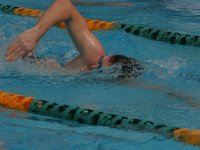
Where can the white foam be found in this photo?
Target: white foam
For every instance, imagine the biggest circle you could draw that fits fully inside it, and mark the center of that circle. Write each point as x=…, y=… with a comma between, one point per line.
x=168, y=66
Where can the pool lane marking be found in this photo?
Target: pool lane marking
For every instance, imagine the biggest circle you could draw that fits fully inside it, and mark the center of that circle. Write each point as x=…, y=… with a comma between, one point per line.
x=161, y=35
x=145, y=32
x=92, y=24
x=93, y=117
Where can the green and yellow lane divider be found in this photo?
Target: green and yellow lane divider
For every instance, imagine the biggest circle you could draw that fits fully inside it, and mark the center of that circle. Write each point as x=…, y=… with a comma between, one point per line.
x=149, y=33
x=92, y=24
x=93, y=117
x=161, y=35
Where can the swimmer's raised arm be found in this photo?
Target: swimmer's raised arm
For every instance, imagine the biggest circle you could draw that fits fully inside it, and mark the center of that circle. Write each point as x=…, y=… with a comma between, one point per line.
x=61, y=10
x=26, y=42
x=91, y=52
x=78, y=2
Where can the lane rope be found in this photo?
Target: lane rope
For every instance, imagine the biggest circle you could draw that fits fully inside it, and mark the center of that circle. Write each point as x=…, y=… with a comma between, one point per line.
x=92, y=24
x=93, y=117
x=145, y=32
x=161, y=35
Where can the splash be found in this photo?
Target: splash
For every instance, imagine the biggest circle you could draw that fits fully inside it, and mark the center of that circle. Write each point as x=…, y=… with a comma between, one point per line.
x=166, y=68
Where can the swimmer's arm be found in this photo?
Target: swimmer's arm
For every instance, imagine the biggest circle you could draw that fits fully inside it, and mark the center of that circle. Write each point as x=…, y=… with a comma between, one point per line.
x=75, y=65
x=59, y=11
x=102, y=3
x=26, y=42
x=48, y=63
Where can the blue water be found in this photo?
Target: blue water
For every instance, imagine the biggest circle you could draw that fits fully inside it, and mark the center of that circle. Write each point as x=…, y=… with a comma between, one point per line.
x=173, y=67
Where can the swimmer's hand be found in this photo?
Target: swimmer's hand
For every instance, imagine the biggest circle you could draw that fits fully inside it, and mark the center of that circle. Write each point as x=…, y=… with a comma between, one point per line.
x=23, y=45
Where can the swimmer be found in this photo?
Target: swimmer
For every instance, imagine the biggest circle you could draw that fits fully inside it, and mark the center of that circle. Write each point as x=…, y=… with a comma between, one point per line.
x=78, y=2
x=91, y=52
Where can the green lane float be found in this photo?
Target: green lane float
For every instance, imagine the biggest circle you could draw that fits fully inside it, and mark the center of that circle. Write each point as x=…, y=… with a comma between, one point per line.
x=161, y=35
x=93, y=117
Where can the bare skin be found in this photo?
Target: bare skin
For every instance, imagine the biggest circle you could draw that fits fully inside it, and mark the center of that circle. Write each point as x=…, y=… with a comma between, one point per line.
x=89, y=47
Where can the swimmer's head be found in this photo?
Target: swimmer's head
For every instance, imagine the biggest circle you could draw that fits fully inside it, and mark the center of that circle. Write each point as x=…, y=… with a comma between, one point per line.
x=124, y=66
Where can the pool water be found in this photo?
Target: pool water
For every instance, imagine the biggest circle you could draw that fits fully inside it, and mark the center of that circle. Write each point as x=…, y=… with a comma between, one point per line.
x=173, y=67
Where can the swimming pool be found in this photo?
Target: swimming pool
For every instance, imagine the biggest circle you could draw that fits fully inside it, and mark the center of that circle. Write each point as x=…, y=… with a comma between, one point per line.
x=173, y=66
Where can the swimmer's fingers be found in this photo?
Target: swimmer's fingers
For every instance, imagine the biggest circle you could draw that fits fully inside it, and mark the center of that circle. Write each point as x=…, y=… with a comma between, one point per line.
x=30, y=54
x=18, y=55
x=11, y=50
x=14, y=52
x=24, y=44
